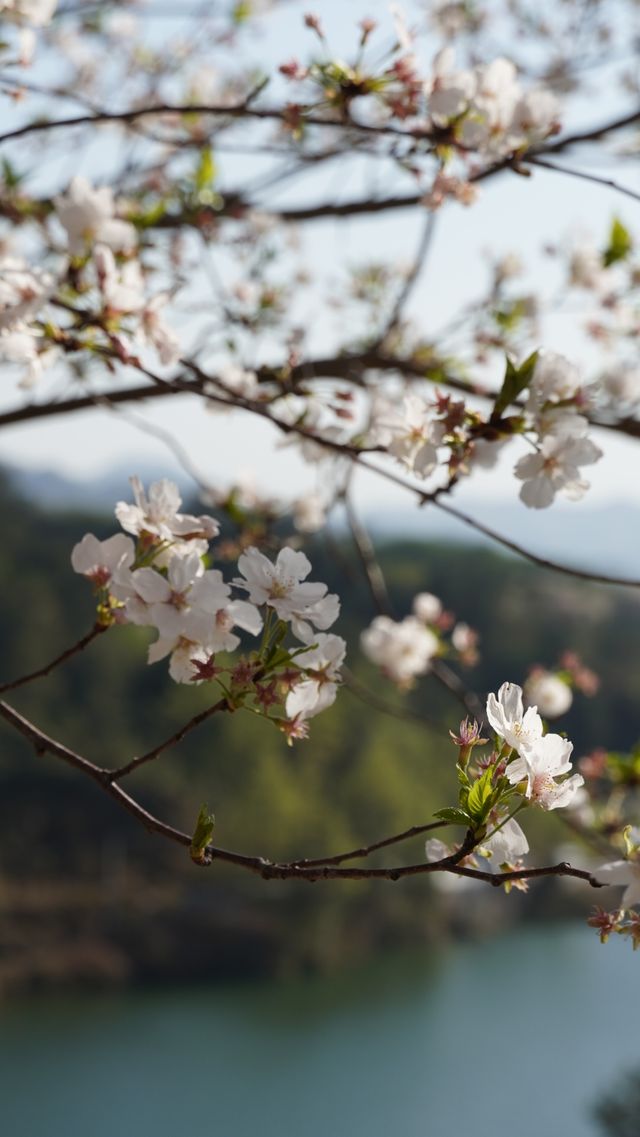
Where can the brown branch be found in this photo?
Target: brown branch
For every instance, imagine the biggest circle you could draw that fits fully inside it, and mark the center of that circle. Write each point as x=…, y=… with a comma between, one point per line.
x=96, y=631
x=610, y=183
x=151, y=755
x=535, y=558
x=367, y=556
x=406, y=714
x=454, y=684
x=349, y=367
x=269, y=870
x=367, y=850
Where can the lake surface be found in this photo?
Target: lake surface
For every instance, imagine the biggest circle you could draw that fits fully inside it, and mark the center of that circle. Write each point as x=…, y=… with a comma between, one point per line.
x=514, y=1037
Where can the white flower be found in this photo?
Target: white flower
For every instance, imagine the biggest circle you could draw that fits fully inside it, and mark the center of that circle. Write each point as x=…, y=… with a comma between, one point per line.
x=436, y=849
x=508, y=718
x=280, y=586
x=309, y=513
x=412, y=435
x=99, y=560
x=237, y=614
x=122, y=287
x=508, y=844
x=318, y=691
x=159, y=334
x=37, y=13
x=206, y=632
x=554, y=379
x=158, y=514
x=535, y=116
x=427, y=607
x=549, y=693
x=626, y=873
x=21, y=346
x=539, y=764
x=555, y=468
x=183, y=603
x=621, y=384
x=403, y=650
x=449, y=92
x=23, y=291
x=88, y=216
x=586, y=269
x=463, y=637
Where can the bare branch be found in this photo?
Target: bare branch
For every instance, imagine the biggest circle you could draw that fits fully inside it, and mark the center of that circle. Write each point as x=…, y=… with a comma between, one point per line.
x=151, y=755
x=269, y=870
x=96, y=631
x=535, y=558
x=585, y=176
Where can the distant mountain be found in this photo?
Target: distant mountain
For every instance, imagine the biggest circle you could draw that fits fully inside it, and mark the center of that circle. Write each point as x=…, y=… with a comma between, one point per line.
x=604, y=537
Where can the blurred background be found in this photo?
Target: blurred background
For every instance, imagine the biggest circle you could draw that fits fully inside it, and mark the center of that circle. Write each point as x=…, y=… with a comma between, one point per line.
x=140, y=994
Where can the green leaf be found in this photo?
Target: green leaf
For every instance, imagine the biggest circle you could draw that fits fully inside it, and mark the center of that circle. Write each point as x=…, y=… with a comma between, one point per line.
x=10, y=175
x=206, y=170
x=516, y=380
x=455, y=816
x=480, y=796
x=620, y=243
x=201, y=837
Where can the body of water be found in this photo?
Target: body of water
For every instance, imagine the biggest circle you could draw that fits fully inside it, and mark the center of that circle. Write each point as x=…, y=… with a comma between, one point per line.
x=515, y=1037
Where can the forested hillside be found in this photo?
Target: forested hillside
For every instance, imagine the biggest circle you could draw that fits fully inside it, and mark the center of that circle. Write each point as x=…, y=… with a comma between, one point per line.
x=86, y=894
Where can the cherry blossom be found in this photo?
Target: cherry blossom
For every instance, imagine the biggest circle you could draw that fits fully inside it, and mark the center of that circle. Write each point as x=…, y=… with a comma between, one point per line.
x=23, y=291
x=88, y=215
x=412, y=435
x=322, y=666
x=427, y=607
x=555, y=467
x=37, y=13
x=403, y=650
x=281, y=587
x=548, y=692
x=99, y=560
x=625, y=873
x=541, y=761
x=507, y=716
x=507, y=844
x=157, y=514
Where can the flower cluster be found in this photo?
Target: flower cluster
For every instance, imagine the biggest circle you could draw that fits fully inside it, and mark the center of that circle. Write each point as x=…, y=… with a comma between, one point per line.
x=159, y=580
x=407, y=648
x=534, y=760
x=23, y=292
x=562, y=446
x=486, y=109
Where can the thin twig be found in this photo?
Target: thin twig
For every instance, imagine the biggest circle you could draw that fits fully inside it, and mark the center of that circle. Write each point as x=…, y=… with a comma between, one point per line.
x=353, y=684
x=367, y=850
x=610, y=183
x=151, y=755
x=269, y=870
x=412, y=277
x=40, y=673
x=535, y=558
x=367, y=556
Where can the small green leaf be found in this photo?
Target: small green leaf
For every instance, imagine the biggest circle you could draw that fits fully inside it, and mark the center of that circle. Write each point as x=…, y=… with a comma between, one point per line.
x=620, y=243
x=206, y=170
x=455, y=816
x=202, y=836
x=516, y=380
x=480, y=795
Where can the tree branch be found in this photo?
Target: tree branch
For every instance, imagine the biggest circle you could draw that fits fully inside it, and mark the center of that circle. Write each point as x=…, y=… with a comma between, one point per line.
x=96, y=631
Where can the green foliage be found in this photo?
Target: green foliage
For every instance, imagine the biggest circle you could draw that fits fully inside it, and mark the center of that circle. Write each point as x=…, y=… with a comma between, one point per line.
x=516, y=380
x=202, y=835
x=620, y=243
